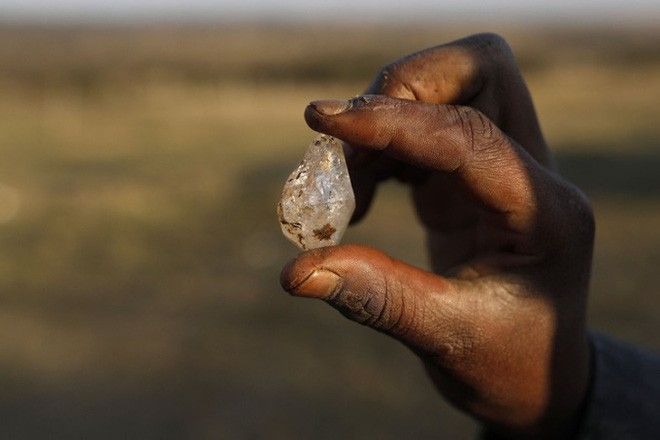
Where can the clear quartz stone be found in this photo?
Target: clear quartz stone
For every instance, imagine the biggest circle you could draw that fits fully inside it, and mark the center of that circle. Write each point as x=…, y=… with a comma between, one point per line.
x=317, y=200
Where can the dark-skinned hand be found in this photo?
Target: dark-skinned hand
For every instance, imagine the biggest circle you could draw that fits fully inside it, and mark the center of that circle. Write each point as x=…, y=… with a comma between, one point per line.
x=499, y=323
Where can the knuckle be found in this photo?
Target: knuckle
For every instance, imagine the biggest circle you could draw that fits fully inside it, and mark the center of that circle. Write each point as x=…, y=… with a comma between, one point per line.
x=482, y=137
x=580, y=215
x=492, y=45
x=569, y=220
x=494, y=56
x=390, y=81
x=493, y=41
x=382, y=79
x=374, y=306
x=365, y=306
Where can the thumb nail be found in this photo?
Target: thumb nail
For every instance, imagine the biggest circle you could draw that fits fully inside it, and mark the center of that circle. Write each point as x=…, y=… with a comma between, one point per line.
x=321, y=283
x=330, y=107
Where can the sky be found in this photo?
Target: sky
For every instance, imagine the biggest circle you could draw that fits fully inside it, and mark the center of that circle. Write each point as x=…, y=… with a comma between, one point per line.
x=354, y=10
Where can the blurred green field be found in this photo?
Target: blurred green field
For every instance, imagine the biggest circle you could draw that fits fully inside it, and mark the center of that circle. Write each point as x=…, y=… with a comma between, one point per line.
x=140, y=253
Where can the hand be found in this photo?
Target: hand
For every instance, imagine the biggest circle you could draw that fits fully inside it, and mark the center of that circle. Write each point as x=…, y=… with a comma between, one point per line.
x=500, y=324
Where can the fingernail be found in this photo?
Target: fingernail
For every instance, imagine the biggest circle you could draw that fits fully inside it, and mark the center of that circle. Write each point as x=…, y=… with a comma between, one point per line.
x=330, y=107
x=321, y=283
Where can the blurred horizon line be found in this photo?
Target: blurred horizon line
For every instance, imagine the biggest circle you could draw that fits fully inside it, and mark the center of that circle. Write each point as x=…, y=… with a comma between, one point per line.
x=645, y=22
x=546, y=15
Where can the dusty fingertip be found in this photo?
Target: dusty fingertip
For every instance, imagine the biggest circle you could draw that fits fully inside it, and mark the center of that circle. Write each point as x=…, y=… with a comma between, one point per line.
x=309, y=282
x=288, y=279
x=321, y=283
x=330, y=107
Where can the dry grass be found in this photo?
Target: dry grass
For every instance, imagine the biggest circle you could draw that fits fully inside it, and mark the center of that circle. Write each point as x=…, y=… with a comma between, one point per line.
x=139, y=251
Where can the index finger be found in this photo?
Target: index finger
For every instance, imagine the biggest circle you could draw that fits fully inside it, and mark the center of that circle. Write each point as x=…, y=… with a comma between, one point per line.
x=491, y=167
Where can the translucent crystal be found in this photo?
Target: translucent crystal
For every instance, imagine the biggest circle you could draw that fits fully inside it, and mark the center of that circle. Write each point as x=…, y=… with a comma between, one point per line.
x=317, y=200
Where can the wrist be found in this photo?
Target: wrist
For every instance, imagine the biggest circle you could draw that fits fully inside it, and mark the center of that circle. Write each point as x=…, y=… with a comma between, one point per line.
x=560, y=413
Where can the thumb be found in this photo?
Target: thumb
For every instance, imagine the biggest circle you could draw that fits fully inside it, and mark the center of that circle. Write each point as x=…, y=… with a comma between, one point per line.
x=376, y=290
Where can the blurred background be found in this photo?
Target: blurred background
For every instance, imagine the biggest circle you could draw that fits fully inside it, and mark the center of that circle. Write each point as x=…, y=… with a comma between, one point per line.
x=142, y=151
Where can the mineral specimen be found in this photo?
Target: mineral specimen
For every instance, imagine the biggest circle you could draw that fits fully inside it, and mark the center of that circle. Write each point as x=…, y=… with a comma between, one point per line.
x=317, y=200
